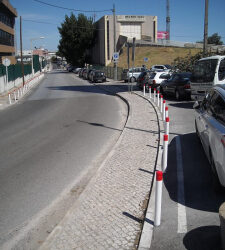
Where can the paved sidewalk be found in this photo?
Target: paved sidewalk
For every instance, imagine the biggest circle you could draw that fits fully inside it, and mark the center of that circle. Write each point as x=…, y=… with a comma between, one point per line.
x=109, y=213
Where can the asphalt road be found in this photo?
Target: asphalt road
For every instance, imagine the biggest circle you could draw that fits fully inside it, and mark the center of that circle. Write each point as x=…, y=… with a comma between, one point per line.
x=53, y=138
x=190, y=205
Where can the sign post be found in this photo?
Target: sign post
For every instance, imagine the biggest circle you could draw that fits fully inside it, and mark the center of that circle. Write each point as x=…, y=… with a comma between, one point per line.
x=115, y=60
x=6, y=62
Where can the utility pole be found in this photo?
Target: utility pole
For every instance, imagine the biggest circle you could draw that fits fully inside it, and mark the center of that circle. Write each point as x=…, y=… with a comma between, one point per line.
x=21, y=50
x=168, y=19
x=114, y=41
x=205, y=45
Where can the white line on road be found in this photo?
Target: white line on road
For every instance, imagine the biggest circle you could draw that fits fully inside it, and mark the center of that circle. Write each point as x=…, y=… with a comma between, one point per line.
x=182, y=218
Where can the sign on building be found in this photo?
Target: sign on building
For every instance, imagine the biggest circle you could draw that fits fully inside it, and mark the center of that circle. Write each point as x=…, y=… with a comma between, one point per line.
x=162, y=35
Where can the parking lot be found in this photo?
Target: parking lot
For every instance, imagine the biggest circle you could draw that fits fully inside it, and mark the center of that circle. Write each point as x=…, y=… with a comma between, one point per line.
x=190, y=219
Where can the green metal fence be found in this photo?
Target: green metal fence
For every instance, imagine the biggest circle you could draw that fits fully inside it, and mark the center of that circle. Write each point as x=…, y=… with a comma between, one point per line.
x=15, y=70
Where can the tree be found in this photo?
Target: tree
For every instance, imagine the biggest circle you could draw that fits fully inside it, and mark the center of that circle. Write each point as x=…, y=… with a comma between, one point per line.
x=77, y=36
x=213, y=39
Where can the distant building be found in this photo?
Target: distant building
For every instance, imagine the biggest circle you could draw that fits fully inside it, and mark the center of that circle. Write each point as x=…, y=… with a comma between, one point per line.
x=7, y=30
x=127, y=27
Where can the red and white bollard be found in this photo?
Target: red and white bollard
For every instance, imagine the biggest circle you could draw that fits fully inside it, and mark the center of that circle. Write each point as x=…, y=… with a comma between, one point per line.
x=154, y=95
x=150, y=92
x=144, y=89
x=161, y=106
x=165, y=152
x=164, y=111
x=158, y=98
x=158, y=198
x=168, y=126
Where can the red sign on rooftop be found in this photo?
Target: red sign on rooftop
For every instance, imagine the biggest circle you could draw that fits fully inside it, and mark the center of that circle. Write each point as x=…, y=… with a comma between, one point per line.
x=162, y=35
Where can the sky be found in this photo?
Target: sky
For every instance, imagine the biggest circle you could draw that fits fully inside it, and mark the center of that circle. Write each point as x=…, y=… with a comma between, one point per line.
x=187, y=17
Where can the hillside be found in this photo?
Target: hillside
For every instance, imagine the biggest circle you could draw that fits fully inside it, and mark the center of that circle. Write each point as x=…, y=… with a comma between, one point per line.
x=155, y=55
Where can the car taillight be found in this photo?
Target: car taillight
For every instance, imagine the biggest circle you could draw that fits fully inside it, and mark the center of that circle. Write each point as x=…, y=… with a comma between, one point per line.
x=187, y=86
x=142, y=79
x=223, y=140
x=154, y=82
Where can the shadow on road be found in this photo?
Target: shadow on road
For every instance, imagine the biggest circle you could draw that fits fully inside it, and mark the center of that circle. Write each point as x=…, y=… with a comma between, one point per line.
x=184, y=105
x=207, y=238
x=103, y=89
x=198, y=187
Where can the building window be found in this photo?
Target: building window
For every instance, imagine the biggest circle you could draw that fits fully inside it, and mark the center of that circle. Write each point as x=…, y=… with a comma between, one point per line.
x=108, y=53
x=6, y=38
x=7, y=20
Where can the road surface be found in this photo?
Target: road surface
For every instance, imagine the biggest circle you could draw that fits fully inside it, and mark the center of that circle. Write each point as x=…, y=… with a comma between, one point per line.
x=51, y=143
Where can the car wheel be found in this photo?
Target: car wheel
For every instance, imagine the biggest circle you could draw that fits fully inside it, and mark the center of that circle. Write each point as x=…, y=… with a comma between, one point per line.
x=177, y=95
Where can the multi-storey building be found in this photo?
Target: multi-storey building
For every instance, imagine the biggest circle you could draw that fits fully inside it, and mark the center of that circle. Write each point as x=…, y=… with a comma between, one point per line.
x=127, y=27
x=7, y=30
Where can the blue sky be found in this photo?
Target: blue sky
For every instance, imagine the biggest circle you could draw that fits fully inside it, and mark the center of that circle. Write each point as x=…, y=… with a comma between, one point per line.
x=187, y=17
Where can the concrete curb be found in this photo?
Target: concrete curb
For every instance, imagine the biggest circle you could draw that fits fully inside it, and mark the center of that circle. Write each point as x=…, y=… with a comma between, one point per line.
x=148, y=227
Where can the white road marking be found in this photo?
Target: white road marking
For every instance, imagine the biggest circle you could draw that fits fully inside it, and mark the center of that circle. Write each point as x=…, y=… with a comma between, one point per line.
x=182, y=218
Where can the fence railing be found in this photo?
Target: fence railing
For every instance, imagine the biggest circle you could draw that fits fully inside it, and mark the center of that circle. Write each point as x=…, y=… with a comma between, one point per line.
x=15, y=73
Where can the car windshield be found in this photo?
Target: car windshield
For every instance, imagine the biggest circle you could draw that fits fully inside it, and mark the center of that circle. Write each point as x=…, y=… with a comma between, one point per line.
x=204, y=71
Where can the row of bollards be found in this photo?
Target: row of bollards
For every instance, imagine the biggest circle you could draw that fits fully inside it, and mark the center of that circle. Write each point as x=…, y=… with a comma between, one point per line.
x=18, y=93
x=161, y=104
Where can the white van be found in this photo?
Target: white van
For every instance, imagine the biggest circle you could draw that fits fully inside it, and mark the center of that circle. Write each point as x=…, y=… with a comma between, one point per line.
x=207, y=72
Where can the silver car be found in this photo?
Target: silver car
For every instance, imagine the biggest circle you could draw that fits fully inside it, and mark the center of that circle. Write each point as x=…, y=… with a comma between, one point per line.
x=210, y=127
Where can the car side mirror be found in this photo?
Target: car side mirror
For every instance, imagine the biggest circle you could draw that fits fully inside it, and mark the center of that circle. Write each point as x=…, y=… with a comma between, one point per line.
x=197, y=105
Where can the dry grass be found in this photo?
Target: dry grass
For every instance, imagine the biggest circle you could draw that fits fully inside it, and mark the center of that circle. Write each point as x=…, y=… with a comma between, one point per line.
x=156, y=55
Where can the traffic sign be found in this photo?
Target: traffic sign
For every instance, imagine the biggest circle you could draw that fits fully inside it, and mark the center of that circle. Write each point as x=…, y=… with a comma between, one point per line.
x=146, y=59
x=116, y=56
x=6, y=62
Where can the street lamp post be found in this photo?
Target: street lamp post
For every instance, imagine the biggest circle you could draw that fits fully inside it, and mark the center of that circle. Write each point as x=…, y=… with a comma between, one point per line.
x=32, y=39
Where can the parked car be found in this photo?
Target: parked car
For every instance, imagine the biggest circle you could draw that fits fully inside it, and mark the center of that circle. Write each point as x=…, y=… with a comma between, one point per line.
x=70, y=68
x=165, y=67
x=124, y=76
x=143, y=79
x=156, y=78
x=76, y=70
x=178, y=85
x=97, y=76
x=81, y=72
x=210, y=127
x=133, y=74
x=207, y=72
